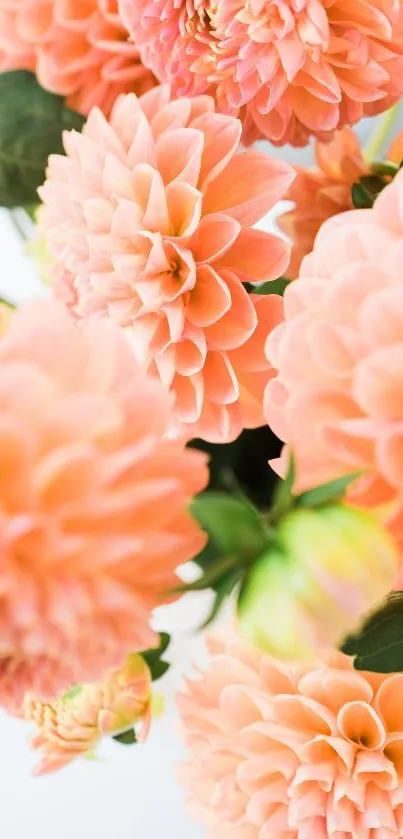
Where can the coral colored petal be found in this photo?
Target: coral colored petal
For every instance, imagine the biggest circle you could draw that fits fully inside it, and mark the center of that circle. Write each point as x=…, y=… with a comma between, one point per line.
x=248, y=187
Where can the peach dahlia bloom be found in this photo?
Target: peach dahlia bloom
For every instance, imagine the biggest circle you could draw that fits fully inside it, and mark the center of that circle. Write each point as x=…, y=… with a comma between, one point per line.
x=93, y=503
x=150, y=215
x=291, y=67
x=321, y=193
x=337, y=399
x=293, y=752
x=72, y=726
x=78, y=48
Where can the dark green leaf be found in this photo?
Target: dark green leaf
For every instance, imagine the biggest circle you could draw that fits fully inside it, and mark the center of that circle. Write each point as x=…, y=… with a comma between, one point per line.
x=378, y=646
x=153, y=657
x=332, y=491
x=31, y=125
x=361, y=197
x=273, y=287
x=223, y=590
x=234, y=525
x=128, y=738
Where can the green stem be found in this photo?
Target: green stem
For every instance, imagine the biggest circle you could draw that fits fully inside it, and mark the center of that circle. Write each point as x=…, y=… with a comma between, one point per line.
x=377, y=139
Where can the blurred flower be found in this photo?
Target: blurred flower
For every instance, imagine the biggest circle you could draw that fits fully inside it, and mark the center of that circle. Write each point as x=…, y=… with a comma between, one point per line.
x=337, y=399
x=71, y=726
x=321, y=193
x=291, y=68
x=293, y=751
x=151, y=213
x=79, y=49
x=93, y=503
x=327, y=567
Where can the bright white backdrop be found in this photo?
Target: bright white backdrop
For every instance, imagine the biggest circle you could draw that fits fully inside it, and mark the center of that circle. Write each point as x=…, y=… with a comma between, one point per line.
x=129, y=793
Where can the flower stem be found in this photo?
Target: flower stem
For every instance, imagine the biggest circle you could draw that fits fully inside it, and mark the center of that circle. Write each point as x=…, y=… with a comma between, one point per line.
x=378, y=136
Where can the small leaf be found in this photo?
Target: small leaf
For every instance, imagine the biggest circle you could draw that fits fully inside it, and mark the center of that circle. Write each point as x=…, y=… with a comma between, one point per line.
x=128, y=738
x=384, y=168
x=274, y=287
x=153, y=658
x=234, y=525
x=31, y=125
x=332, y=491
x=361, y=197
x=283, y=497
x=222, y=592
x=378, y=646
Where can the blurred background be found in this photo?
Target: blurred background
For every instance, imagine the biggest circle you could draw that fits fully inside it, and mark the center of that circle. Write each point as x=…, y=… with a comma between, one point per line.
x=128, y=792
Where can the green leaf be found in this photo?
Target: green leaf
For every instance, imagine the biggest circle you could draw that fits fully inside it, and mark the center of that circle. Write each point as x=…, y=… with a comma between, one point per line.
x=361, y=197
x=128, y=738
x=378, y=646
x=234, y=525
x=384, y=168
x=283, y=497
x=332, y=491
x=153, y=657
x=31, y=125
x=274, y=287
x=222, y=592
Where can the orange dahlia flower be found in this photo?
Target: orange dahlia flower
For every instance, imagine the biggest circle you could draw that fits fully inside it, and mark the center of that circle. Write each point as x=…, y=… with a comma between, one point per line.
x=78, y=48
x=72, y=726
x=292, y=68
x=151, y=214
x=337, y=398
x=293, y=752
x=93, y=503
x=321, y=193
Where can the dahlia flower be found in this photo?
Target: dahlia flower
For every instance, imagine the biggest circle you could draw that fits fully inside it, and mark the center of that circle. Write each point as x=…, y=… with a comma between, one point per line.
x=93, y=503
x=78, y=49
x=325, y=191
x=293, y=752
x=291, y=68
x=71, y=726
x=321, y=193
x=337, y=399
x=150, y=216
x=327, y=567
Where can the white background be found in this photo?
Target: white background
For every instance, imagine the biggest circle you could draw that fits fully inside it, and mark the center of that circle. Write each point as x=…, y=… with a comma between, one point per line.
x=129, y=792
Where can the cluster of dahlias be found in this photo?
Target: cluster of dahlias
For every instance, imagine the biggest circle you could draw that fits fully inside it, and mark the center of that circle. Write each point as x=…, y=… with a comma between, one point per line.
x=163, y=334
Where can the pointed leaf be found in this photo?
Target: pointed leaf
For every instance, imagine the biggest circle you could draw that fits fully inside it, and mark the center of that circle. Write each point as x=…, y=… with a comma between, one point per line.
x=332, y=491
x=361, y=197
x=378, y=645
x=31, y=125
x=128, y=738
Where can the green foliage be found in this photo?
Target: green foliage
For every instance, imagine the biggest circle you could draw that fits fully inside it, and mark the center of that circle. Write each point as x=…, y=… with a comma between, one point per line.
x=31, y=125
x=234, y=526
x=378, y=646
x=361, y=197
x=331, y=492
x=153, y=658
x=127, y=738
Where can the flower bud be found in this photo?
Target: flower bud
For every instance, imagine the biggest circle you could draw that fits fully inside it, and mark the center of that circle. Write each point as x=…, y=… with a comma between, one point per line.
x=72, y=725
x=327, y=567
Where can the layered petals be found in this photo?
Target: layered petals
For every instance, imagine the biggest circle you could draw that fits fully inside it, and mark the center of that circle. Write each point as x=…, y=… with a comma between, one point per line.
x=150, y=216
x=337, y=398
x=288, y=68
x=93, y=502
x=79, y=50
x=292, y=751
x=71, y=726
